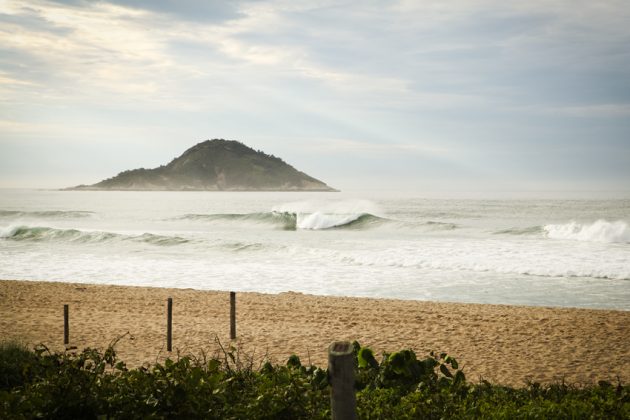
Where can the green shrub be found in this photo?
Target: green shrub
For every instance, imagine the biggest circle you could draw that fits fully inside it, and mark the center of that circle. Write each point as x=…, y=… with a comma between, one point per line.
x=16, y=362
x=93, y=384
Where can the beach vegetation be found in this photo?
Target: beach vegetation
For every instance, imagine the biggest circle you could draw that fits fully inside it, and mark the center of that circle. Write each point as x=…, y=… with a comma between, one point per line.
x=92, y=383
x=16, y=363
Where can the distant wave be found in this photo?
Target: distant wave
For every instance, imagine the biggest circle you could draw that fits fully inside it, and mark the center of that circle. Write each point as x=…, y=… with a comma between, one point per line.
x=599, y=231
x=531, y=230
x=160, y=240
x=242, y=246
x=440, y=225
x=41, y=234
x=57, y=214
x=285, y=221
x=295, y=221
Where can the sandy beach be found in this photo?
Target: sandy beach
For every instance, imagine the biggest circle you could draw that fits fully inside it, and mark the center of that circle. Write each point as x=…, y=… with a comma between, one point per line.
x=503, y=344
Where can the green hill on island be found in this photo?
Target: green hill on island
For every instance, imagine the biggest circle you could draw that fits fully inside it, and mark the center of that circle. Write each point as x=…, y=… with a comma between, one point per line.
x=215, y=165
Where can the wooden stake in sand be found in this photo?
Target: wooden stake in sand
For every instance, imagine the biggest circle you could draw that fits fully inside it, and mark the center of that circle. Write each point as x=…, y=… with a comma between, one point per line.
x=341, y=372
x=169, y=324
x=66, y=325
x=232, y=315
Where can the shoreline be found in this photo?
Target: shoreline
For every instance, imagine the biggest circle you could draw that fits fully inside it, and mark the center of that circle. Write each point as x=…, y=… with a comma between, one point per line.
x=503, y=344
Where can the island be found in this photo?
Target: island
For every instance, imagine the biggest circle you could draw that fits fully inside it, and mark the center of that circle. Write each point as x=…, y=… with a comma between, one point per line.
x=215, y=165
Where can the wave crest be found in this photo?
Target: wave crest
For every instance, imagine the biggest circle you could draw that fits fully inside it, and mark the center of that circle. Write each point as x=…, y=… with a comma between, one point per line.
x=599, y=231
x=42, y=233
x=56, y=214
x=285, y=221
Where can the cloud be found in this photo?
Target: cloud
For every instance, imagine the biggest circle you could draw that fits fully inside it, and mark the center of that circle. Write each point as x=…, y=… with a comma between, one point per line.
x=100, y=54
x=30, y=18
x=459, y=80
x=427, y=55
x=190, y=10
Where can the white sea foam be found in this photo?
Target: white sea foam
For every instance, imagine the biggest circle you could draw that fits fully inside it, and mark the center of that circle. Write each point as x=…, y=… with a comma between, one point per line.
x=317, y=220
x=488, y=257
x=599, y=231
x=9, y=231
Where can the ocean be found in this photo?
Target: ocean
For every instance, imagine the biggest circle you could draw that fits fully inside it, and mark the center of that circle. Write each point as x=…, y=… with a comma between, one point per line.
x=568, y=253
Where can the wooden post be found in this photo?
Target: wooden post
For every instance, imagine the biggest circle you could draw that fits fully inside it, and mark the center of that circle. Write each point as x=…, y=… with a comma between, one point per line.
x=232, y=315
x=343, y=401
x=169, y=325
x=66, y=325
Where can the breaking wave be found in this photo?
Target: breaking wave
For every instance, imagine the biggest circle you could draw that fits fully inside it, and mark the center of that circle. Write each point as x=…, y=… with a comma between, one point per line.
x=313, y=215
x=56, y=214
x=295, y=221
x=319, y=221
x=42, y=234
x=599, y=231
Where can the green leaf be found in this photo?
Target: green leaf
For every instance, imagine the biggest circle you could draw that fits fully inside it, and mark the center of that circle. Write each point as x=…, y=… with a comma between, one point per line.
x=397, y=362
x=445, y=371
x=294, y=361
x=366, y=358
x=459, y=377
x=454, y=363
x=214, y=365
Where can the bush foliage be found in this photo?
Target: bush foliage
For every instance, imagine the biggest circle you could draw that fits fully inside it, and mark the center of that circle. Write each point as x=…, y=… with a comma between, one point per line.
x=95, y=384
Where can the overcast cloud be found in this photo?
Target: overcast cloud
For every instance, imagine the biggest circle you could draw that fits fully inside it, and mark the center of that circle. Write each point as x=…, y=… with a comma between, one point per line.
x=424, y=95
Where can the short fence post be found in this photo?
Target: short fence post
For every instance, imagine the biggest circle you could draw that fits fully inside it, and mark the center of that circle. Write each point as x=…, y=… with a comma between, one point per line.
x=169, y=325
x=66, y=325
x=232, y=315
x=341, y=374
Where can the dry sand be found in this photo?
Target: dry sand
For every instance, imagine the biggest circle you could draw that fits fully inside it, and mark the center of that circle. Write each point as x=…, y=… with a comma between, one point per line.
x=503, y=344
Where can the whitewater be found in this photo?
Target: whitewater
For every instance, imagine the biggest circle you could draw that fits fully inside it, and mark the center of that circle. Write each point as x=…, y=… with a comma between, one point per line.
x=573, y=253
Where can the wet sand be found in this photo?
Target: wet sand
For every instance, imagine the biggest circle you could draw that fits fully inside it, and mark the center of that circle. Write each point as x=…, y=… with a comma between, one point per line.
x=503, y=344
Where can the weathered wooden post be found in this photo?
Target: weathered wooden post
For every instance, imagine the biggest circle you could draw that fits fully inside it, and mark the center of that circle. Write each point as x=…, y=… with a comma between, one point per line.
x=66, y=325
x=343, y=401
x=169, y=325
x=232, y=315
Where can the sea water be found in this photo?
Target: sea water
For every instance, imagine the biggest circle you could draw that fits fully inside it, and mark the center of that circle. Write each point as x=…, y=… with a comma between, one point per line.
x=533, y=252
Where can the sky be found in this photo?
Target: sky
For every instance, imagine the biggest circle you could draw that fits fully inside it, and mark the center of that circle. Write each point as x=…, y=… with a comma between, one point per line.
x=463, y=95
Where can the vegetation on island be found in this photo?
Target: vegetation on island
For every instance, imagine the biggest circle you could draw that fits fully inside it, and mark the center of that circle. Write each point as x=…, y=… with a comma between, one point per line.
x=96, y=384
x=215, y=165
